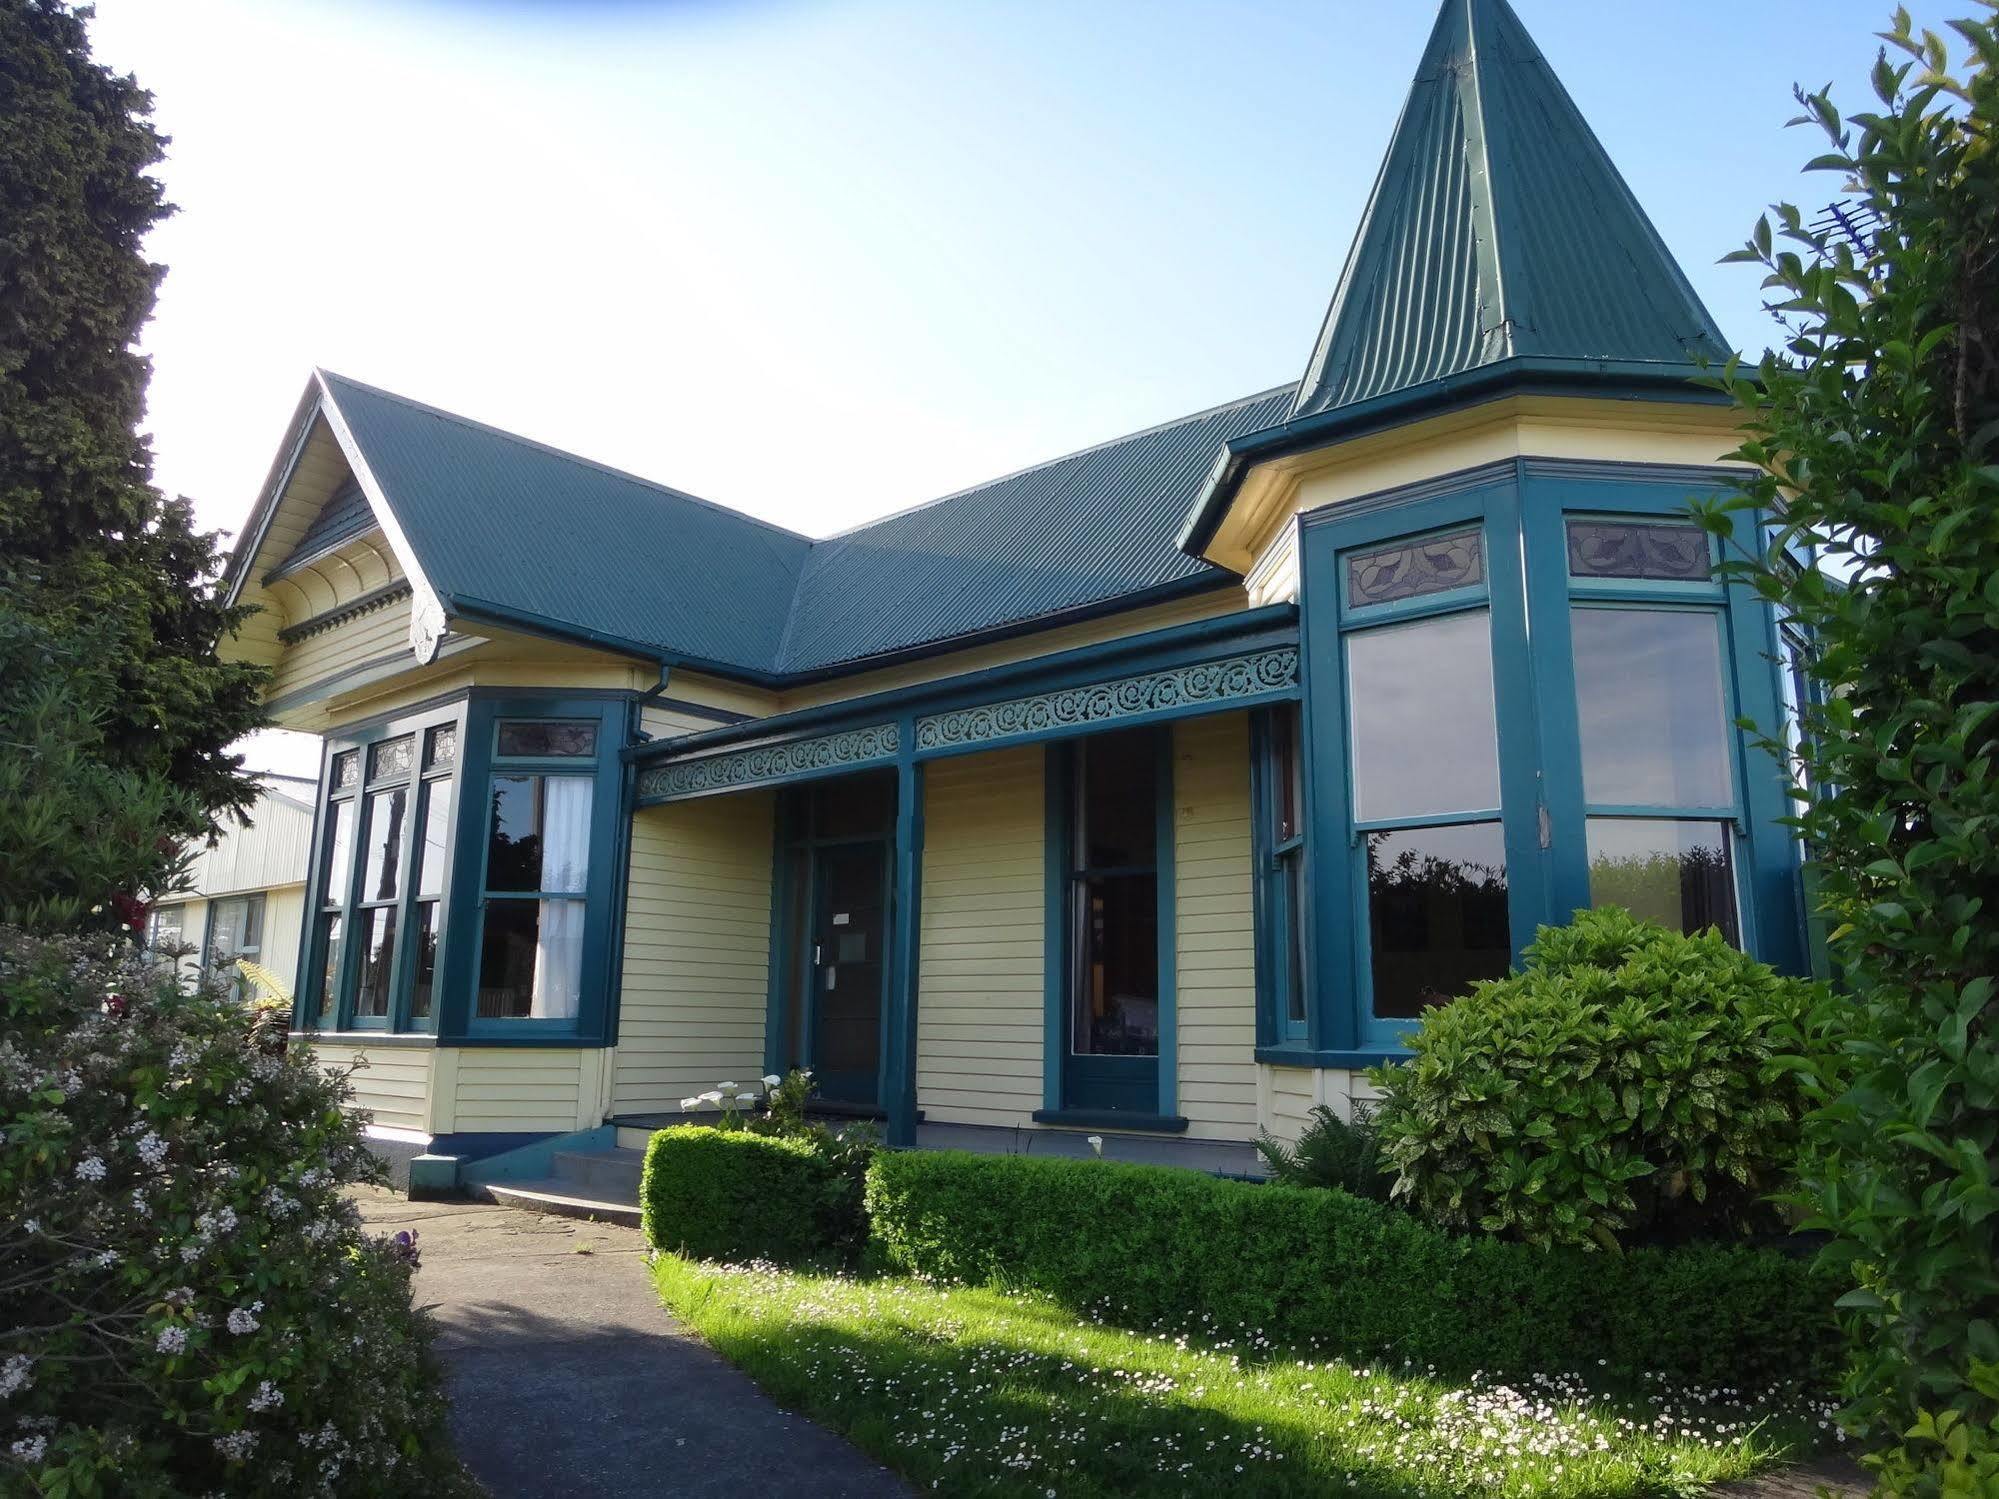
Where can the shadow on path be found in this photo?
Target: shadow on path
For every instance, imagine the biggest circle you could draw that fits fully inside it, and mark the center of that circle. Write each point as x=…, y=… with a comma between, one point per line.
x=568, y=1378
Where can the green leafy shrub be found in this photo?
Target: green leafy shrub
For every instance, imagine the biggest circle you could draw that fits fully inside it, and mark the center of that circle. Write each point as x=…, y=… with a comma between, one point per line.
x=718, y=1194
x=1625, y=1087
x=187, y=1302
x=1873, y=431
x=1331, y=1152
x=1151, y=1247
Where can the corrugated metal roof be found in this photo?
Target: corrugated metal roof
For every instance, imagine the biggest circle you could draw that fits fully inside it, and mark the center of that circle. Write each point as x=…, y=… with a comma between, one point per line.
x=1092, y=527
x=343, y=517
x=499, y=521
x=1498, y=228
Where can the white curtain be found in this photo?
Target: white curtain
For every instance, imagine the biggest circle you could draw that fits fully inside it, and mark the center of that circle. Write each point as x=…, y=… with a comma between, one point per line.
x=565, y=860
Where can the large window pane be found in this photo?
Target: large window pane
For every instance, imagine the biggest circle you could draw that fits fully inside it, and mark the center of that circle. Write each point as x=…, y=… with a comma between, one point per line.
x=434, y=856
x=378, y=954
x=1653, y=716
x=339, y=855
x=1425, y=739
x=1437, y=917
x=530, y=960
x=1117, y=808
x=332, y=929
x=1117, y=982
x=539, y=836
x=424, y=961
x=1679, y=874
x=381, y=878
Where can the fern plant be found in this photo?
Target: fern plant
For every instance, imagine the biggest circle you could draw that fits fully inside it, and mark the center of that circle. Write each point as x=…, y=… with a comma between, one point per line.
x=1331, y=1152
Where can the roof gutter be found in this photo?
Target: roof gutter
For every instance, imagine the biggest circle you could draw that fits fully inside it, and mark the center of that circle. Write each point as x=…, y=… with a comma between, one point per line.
x=902, y=700
x=1608, y=379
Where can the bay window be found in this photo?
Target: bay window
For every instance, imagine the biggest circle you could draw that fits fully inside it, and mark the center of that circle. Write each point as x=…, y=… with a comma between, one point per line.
x=461, y=886
x=1523, y=698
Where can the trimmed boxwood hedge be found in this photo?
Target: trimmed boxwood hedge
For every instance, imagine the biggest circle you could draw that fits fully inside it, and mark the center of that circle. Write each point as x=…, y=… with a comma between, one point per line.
x=1150, y=1246
x=730, y=1195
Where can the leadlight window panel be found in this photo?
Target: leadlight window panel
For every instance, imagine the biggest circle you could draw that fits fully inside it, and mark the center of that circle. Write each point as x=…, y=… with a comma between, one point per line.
x=1424, y=730
x=346, y=769
x=1651, y=708
x=547, y=738
x=1412, y=569
x=392, y=757
x=1437, y=914
x=1677, y=872
x=1649, y=550
x=440, y=746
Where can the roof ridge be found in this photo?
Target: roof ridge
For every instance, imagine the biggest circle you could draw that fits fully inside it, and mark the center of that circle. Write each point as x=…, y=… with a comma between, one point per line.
x=1031, y=468
x=564, y=453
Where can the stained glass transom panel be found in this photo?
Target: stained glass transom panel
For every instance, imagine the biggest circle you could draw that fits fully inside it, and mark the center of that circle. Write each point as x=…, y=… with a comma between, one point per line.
x=1432, y=564
x=1668, y=551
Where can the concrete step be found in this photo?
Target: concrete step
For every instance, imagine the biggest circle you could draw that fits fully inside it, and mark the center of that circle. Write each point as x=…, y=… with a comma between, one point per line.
x=601, y=1173
x=565, y=1199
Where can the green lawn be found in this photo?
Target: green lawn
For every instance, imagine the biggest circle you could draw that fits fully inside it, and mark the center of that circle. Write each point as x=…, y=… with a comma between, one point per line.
x=969, y=1391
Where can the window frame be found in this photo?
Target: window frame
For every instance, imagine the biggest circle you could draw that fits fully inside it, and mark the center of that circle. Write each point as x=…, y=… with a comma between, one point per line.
x=419, y=782
x=253, y=901
x=1523, y=507
x=1063, y=878
x=454, y=1000
x=1281, y=894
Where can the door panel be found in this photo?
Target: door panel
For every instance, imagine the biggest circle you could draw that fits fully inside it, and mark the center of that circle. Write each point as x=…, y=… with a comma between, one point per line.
x=849, y=933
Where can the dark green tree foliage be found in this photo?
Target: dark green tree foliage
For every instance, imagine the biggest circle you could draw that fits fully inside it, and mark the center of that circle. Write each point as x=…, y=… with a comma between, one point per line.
x=1874, y=429
x=87, y=544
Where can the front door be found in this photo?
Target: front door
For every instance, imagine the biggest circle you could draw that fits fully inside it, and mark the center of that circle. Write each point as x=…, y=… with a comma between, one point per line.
x=845, y=972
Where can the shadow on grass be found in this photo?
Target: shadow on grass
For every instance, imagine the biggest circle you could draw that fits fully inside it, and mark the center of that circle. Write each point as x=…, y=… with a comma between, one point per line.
x=974, y=1412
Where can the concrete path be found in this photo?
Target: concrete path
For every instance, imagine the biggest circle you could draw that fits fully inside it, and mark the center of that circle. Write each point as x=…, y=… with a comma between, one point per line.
x=568, y=1378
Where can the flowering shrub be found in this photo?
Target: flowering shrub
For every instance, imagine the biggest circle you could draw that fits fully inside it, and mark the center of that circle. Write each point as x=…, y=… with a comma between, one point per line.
x=1628, y=1085
x=187, y=1302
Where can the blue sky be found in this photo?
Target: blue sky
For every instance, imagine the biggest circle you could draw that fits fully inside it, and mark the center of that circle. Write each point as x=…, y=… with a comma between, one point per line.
x=822, y=261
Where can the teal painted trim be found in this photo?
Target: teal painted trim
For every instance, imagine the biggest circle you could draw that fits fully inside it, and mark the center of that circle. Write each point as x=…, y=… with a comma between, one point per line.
x=780, y=959
x=531, y=1162
x=1267, y=955
x=899, y=1061
x=477, y=768
x=1344, y=1061
x=290, y=451
x=1518, y=376
x=1113, y=1119
x=1057, y=850
x=1177, y=645
x=1774, y=879
x=1169, y=952
x=1515, y=688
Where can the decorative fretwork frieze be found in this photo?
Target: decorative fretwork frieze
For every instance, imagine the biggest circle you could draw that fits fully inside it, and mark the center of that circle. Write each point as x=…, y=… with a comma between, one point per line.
x=1210, y=682
x=770, y=762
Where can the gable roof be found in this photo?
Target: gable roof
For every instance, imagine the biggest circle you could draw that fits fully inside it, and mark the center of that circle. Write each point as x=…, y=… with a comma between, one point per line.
x=1497, y=229
x=512, y=533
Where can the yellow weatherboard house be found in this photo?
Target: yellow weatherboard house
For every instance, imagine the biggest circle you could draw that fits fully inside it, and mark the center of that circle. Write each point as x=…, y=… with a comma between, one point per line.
x=1150, y=793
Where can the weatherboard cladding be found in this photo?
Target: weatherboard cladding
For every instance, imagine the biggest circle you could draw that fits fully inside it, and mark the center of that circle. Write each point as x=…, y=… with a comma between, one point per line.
x=1498, y=228
x=507, y=524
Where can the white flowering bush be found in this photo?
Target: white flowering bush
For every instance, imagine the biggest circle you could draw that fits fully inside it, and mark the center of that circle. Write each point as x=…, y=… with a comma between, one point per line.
x=188, y=1304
